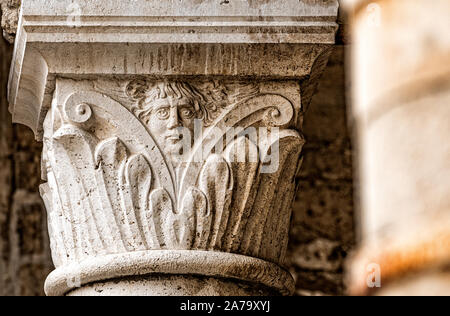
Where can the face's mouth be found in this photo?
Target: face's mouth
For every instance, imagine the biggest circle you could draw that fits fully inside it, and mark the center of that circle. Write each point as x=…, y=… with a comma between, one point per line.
x=174, y=137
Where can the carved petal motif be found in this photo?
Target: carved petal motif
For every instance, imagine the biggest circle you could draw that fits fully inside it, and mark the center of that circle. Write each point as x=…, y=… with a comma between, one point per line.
x=110, y=155
x=160, y=209
x=194, y=210
x=270, y=110
x=265, y=234
x=177, y=230
x=109, y=195
x=74, y=183
x=135, y=188
x=245, y=175
x=217, y=183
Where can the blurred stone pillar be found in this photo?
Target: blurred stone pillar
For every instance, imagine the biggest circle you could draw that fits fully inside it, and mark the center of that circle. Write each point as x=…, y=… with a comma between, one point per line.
x=401, y=103
x=137, y=206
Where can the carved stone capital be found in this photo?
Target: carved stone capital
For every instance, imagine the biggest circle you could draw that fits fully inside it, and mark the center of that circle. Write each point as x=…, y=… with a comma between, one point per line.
x=172, y=138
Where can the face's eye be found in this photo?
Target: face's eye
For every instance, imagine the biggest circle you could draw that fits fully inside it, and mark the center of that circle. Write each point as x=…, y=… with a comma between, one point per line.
x=186, y=113
x=163, y=113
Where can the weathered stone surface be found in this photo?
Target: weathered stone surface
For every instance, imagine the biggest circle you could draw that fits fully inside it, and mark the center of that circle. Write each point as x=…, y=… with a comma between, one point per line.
x=24, y=251
x=172, y=285
x=136, y=164
x=323, y=228
x=309, y=282
x=147, y=267
x=30, y=224
x=5, y=163
x=25, y=261
x=328, y=213
x=26, y=163
x=9, y=18
x=326, y=119
x=168, y=201
x=318, y=162
x=295, y=44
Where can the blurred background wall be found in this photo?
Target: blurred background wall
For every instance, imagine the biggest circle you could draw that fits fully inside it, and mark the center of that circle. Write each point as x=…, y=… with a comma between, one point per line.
x=24, y=246
x=322, y=232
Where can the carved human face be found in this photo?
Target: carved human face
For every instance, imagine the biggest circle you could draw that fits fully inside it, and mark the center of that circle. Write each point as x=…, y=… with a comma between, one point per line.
x=169, y=119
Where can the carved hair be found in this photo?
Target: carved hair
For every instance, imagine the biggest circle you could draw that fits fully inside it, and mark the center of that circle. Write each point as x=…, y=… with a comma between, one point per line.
x=146, y=92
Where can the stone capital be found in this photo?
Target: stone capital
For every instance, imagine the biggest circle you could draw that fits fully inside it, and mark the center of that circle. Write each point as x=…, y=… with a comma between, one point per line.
x=172, y=136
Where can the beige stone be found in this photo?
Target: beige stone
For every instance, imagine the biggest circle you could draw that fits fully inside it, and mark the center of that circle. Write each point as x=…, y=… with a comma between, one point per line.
x=171, y=146
x=9, y=17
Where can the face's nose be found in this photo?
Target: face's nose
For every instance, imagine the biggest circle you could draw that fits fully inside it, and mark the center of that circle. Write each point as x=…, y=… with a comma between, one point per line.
x=173, y=121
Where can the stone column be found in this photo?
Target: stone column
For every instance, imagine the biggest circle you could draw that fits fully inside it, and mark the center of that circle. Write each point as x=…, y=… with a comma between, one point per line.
x=172, y=138
x=401, y=75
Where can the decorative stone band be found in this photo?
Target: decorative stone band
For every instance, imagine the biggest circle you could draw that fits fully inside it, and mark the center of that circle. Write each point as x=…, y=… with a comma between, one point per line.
x=174, y=262
x=428, y=250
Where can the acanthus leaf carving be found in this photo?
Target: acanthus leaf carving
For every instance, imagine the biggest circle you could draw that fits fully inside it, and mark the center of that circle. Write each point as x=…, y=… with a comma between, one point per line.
x=73, y=167
x=161, y=209
x=124, y=186
x=217, y=182
x=135, y=181
x=246, y=175
x=184, y=223
x=272, y=110
x=110, y=155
